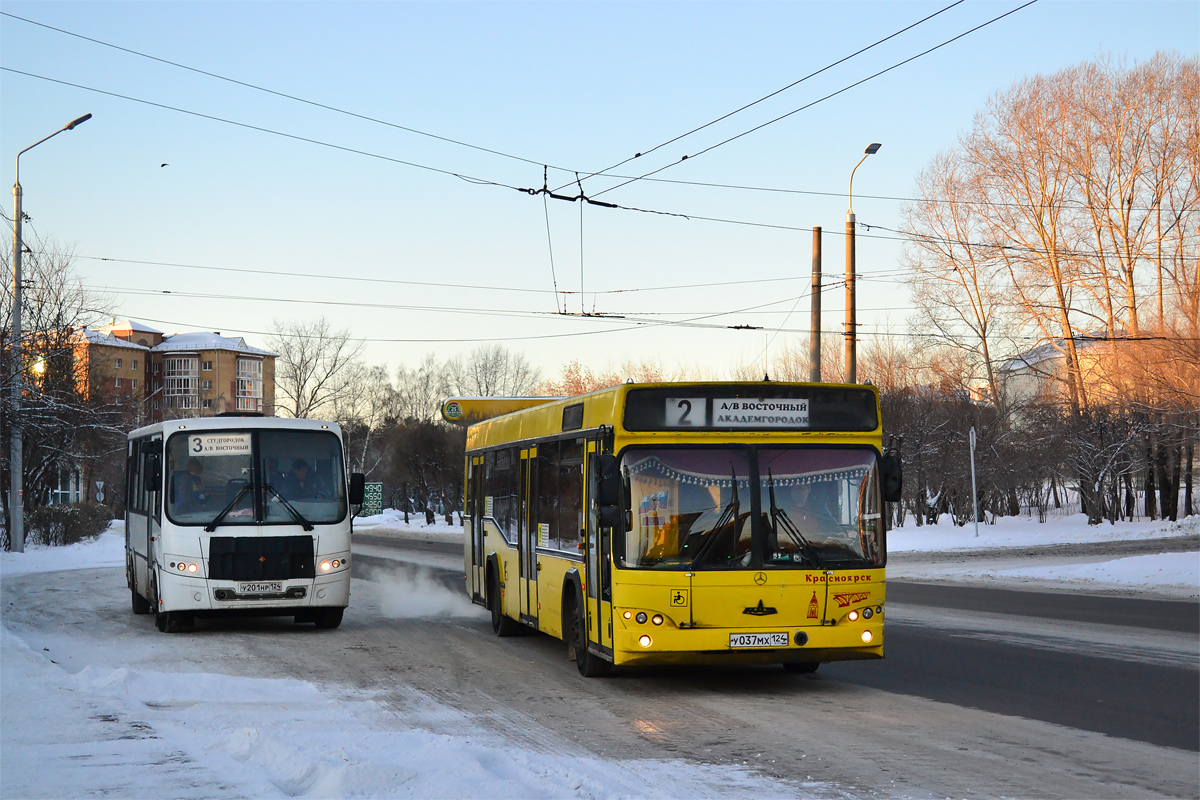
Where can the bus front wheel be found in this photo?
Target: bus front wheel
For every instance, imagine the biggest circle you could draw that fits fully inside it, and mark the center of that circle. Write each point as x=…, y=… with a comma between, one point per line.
x=590, y=665
x=172, y=621
x=501, y=625
x=329, y=618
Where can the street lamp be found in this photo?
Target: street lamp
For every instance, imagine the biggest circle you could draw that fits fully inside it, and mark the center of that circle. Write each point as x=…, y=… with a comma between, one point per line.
x=16, y=510
x=851, y=323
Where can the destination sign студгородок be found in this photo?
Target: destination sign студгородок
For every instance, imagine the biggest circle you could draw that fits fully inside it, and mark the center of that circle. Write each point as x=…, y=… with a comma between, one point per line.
x=219, y=444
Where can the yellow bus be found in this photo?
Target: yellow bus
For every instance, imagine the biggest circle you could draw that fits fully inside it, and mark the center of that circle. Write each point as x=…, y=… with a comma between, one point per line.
x=683, y=523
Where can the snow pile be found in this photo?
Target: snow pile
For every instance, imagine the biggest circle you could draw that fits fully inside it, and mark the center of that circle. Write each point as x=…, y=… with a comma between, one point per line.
x=1026, y=532
x=1179, y=571
x=107, y=551
x=392, y=520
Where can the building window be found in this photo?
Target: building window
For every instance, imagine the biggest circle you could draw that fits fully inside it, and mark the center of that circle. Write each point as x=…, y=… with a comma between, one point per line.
x=156, y=405
x=206, y=366
x=249, y=384
x=133, y=364
x=117, y=381
x=206, y=385
x=156, y=369
x=182, y=378
x=133, y=383
x=207, y=403
x=118, y=363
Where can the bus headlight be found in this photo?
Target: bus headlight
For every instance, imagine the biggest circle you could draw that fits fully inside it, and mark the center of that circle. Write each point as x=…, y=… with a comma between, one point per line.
x=868, y=613
x=641, y=617
x=326, y=566
x=644, y=640
x=192, y=568
x=852, y=616
x=657, y=619
x=867, y=636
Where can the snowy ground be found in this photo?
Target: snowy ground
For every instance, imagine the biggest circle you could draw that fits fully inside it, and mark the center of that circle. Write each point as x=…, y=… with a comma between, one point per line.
x=79, y=722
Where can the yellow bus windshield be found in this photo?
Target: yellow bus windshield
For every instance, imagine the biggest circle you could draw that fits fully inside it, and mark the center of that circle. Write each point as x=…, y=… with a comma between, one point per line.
x=752, y=508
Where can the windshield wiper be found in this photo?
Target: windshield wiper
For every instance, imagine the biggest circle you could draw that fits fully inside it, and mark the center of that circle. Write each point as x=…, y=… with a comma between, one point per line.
x=729, y=516
x=780, y=519
x=212, y=526
x=308, y=526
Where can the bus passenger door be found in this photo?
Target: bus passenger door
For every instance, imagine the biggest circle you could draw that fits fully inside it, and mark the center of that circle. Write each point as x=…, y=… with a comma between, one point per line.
x=478, y=554
x=527, y=535
x=599, y=576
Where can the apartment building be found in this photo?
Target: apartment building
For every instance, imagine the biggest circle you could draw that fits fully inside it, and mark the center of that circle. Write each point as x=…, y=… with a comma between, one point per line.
x=195, y=374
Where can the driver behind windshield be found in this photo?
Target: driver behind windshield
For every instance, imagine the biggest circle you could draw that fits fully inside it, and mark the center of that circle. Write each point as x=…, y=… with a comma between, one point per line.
x=302, y=483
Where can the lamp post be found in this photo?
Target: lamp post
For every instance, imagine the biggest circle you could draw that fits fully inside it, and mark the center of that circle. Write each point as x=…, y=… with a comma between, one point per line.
x=851, y=323
x=16, y=510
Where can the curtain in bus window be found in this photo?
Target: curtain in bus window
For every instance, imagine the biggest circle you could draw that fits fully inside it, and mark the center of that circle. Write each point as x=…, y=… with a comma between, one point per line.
x=821, y=507
x=690, y=508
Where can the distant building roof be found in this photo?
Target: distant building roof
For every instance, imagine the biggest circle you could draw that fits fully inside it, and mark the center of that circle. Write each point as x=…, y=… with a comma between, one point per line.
x=192, y=342
x=127, y=325
x=107, y=339
x=1047, y=351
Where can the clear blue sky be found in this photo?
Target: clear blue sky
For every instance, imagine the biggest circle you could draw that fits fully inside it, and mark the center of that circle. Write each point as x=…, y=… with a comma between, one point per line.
x=578, y=86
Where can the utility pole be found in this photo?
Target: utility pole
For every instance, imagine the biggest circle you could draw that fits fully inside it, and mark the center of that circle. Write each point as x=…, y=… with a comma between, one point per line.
x=16, y=488
x=814, y=325
x=851, y=321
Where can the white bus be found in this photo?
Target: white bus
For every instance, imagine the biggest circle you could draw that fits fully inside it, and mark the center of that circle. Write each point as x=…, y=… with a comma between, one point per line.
x=238, y=515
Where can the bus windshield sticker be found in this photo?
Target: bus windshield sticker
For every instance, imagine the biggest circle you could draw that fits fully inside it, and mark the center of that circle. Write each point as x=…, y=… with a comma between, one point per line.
x=685, y=412
x=759, y=414
x=543, y=534
x=219, y=444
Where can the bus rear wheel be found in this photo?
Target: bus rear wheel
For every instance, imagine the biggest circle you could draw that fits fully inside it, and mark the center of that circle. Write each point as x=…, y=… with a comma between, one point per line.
x=501, y=625
x=140, y=604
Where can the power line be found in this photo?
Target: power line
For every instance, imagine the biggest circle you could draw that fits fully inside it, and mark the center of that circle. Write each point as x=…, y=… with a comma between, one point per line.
x=723, y=117
x=260, y=129
x=276, y=93
x=822, y=99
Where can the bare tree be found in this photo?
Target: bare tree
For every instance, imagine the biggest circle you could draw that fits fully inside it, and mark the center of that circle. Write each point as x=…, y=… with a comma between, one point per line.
x=316, y=366
x=421, y=389
x=491, y=371
x=365, y=415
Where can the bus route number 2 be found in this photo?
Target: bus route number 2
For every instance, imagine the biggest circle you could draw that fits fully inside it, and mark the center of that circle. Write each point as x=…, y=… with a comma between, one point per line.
x=686, y=412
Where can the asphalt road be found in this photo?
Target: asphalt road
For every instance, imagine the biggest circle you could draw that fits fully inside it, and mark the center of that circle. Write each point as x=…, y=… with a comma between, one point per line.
x=1091, y=687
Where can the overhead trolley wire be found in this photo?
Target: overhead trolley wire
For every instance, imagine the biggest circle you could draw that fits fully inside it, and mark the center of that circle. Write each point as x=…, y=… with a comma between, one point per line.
x=768, y=96
x=822, y=99
x=276, y=93
x=259, y=128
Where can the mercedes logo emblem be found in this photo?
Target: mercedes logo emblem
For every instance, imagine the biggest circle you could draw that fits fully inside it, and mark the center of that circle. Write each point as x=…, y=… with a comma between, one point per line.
x=760, y=578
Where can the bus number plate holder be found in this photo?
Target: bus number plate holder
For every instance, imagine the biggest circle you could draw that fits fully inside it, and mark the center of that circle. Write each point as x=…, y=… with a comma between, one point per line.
x=261, y=587
x=743, y=640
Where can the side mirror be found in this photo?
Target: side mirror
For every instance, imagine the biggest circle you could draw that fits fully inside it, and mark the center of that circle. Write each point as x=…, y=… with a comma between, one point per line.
x=891, y=477
x=358, y=483
x=608, y=490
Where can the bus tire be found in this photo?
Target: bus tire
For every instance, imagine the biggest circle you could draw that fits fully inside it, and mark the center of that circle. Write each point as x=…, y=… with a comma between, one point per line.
x=140, y=604
x=501, y=625
x=329, y=618
x=172, y=621
x=589, y=664
x=802, y=667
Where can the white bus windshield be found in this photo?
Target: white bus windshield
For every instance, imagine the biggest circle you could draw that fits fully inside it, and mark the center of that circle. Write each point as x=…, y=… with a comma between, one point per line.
x=255, y=477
